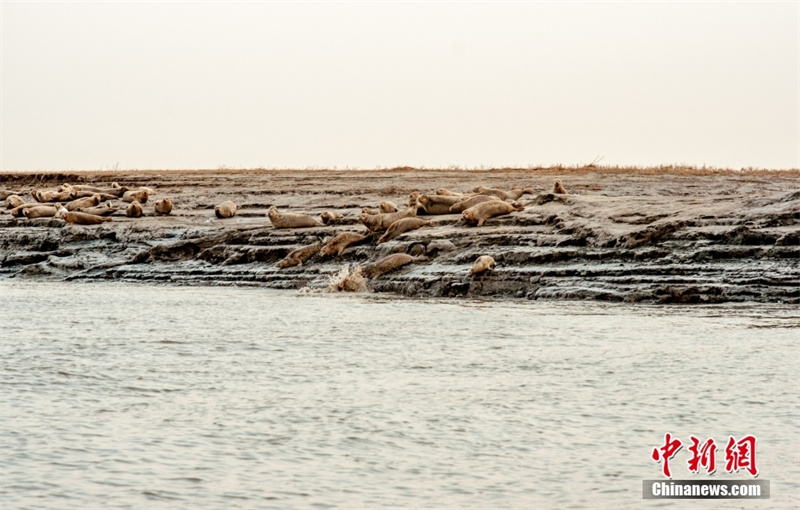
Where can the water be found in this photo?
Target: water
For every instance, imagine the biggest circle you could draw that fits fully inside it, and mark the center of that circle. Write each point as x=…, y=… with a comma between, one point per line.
x=128, y=396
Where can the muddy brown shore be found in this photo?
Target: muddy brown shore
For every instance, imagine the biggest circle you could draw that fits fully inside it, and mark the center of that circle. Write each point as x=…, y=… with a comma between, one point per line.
x=647, y=235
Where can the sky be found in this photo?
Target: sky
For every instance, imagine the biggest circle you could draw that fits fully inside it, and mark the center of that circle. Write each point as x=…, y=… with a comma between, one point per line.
x=188, y=85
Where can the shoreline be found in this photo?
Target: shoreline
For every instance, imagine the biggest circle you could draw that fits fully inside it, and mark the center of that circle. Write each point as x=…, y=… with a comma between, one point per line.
x=631, y=235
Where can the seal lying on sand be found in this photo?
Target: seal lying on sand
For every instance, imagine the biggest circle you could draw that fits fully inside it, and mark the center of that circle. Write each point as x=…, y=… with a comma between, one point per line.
x=447, y=192
x=163, y=206
x=483, y=264
x=291, y=220
x=437, y=204
x=86, y=193
x=51, y=196
x=80, y=218
x=412, y=199
x=340, y=243
x=5, y=193
x=226, y=209
x=559, y=188
x=40, y=211
x=482, y=212
x=140, y=195
x=514, y=194
x=300, y=255
x=134, y=210
x=404, y=225
x=390, y=263
x=83, y=202
x=387, y=206
x=13, y=201
x=86, y=188
x=330, y=217
x=17, y=211
x=384, y=221
x=100, y=210
x=466, y=203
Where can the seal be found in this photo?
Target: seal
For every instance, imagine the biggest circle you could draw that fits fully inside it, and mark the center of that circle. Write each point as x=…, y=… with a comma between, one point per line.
x=339, y=243
x=383, y=221
x=412, y=199
x=86, y=193
x=300, y=255
x=483, y=264
x=100, y=210
x=403, y=225
x=329, y=217
x=390, y=263
x=291, y=220
x=482, y=212
x=40, y=211
x=83, y=202
x=447, y=192
x=80, y=218
x=51, y=196
x=559, y=188
x=140, y=195
x=514, y=194
x=370, y=210
x=17, y=211
x=163, y=206
x=466, y=203
x=13, y=201
x=437, y=204
x=226, y=209
x=387, y=206
x=86, y=188
x=5, y=193
x=134, y=210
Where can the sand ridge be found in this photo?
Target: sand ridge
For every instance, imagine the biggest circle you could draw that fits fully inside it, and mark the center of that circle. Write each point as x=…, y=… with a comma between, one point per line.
x=676, y=236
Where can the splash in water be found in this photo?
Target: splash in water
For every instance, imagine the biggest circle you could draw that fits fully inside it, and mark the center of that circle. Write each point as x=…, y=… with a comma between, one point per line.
x=348, y=279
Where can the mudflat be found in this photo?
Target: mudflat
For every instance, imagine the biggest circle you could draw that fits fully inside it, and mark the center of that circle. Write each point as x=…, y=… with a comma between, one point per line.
x=661, y=235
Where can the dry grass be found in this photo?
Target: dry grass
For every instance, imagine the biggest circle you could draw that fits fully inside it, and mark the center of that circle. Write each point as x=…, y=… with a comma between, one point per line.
x=555, y=169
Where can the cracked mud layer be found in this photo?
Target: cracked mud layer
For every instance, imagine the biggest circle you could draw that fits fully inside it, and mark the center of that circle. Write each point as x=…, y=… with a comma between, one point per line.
x=649, y=235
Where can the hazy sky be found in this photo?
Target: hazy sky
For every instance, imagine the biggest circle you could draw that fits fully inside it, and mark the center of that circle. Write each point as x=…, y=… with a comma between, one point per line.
x=92, y=85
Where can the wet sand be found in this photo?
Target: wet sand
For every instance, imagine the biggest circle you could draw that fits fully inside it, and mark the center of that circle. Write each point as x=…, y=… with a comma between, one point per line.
x=665, y=235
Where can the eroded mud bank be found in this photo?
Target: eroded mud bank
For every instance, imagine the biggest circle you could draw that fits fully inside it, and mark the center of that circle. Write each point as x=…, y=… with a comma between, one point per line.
x=638, y=236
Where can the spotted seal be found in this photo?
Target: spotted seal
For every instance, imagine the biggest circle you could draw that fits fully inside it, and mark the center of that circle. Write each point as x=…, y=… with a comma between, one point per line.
x=329, y=217
x=340, y=243
x=291, y=220
x=466, y=203
x=134, y=210
x=437, y=204
x=403, y=225
x=83, y=202
x=40, y=211
x=140, y=195
x=80, y=218
x=482, y=212
x=13, y=201
x=163, y=206
x=390, y=263
x=300, y=255
x=226, y=209
x=483, y=264
x=514, y=194
x=52, y=196
x=383, y=221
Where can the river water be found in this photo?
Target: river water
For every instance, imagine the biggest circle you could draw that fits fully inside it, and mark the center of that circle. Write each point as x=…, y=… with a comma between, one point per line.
x=141, y=396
